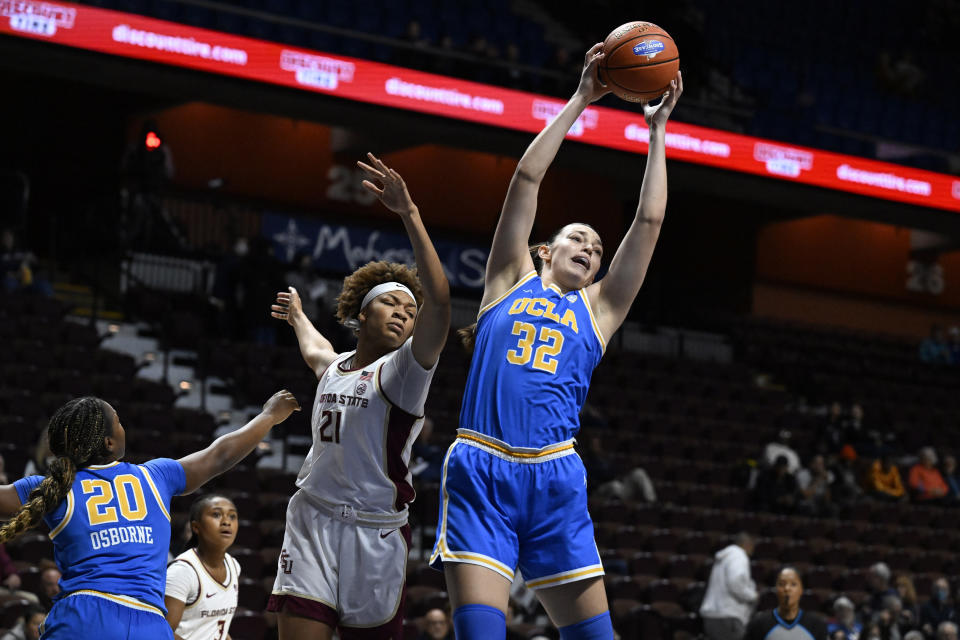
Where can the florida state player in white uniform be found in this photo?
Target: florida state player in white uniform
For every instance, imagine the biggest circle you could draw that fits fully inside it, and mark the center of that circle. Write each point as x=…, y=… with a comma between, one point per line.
x=344, y=555
x=203, y=581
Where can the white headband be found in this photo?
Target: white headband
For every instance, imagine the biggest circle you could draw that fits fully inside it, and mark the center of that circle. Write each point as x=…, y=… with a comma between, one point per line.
x=380, y=289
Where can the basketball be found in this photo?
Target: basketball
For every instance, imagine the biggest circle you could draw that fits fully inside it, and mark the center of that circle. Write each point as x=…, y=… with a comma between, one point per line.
x=640, y=61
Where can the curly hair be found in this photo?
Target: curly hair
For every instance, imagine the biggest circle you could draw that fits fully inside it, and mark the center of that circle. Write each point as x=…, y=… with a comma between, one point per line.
x=358, y=284
x=76, y=433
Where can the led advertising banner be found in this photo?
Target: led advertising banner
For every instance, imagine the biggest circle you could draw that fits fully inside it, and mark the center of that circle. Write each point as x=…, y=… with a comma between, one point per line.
x=139, y=37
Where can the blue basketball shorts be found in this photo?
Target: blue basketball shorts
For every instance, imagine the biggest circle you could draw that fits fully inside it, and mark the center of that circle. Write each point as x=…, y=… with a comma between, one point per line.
x=505, y=507
x=96, y=616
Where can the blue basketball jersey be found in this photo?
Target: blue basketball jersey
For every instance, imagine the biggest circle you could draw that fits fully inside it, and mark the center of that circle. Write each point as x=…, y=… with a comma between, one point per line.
x=535, y=351
x=111, y=533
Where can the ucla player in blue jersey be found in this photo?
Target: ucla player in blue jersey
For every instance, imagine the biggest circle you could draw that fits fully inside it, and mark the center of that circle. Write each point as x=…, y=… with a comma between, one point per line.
x=110, y=520
x=514, y=491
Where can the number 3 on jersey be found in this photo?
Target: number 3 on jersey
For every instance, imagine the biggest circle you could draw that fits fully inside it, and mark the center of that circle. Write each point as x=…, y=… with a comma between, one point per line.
x=543, y=358
x=100, y=505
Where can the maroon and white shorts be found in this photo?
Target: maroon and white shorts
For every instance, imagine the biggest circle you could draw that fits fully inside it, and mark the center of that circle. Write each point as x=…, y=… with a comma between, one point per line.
x=342, y=570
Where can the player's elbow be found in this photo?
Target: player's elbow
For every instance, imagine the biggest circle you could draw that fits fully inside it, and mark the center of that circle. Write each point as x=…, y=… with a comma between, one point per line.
x=527, y=174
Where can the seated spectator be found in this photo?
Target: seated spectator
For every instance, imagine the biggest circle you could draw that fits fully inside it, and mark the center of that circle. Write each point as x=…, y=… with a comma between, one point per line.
x=926, y=483
x=846, y=488
x=947, y=631
x=814, y=486
x=878, y=585
x=934, y=349
x=437, y=626
x=889, y=618
x=951, y=477
x=781, y=447
x=777, y=488
x=914, y=635
x=27, y=628
x=884, y=482
x=844, y=620
x=830, y=432
x=4, y=478
x=49, y=583
x=908, y=596
x=10, y=579
x=15, y=263
x=938, y=609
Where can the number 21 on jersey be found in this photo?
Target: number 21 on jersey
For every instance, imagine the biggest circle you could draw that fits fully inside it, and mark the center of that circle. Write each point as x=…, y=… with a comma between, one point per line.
x=123, y=494
x=549, y=344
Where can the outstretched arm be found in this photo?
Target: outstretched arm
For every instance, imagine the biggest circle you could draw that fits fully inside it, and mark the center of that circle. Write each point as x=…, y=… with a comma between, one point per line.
x=433, y=319
x=226, y=451
x=316, y=350
x=509, y=258
x=614, y=294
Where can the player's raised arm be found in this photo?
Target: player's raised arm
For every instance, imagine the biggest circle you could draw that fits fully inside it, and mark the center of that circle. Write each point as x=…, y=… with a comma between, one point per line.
x=614, y=294
x=509, y=257
x=316, y=350
x=433, y=319
x=227, y=450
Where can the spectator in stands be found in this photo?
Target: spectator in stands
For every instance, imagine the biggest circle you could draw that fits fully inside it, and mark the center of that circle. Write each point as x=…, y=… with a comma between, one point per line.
x=878, y=585
x=947, y=631
x=3, y=471
x=305, y=279
x=884, y=482
x=731, y=593
x=146, y=169
x=938, y=609
x=813, y=484
x=781, y=447
x=908, y=596
x=10, y=578
x=844, y=620
x=914, y=635
x=846, y=488
x=777, y=488
x=830, y=435
x=853, y=430
x=18, y=267
x=42, y=457
x=29, y=627
x=417, y=56
x=926, y=483
x=889, y=619
x=934, y=349
x=436, y=626
x=49, y=584
x=951, y=478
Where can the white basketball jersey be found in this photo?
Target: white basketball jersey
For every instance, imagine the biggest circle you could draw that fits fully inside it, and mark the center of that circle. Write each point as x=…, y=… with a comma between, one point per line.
x=362, y=437
x=209, y=604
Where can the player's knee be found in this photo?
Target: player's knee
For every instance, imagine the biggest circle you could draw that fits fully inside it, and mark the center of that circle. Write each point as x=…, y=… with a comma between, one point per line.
x=598, y=627
x=476, y=621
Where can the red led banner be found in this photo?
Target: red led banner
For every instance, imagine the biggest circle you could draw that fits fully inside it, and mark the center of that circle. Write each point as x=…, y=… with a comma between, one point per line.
x=134, y=36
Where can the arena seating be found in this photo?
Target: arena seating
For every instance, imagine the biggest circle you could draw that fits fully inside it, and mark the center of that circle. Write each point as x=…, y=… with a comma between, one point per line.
x=695, y=427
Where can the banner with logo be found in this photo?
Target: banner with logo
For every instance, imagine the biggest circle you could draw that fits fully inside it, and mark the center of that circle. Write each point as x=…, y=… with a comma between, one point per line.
x=139, y=37
x=343, y=248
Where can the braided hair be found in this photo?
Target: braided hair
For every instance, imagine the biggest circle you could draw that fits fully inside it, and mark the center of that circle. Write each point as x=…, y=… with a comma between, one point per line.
x=76, y=433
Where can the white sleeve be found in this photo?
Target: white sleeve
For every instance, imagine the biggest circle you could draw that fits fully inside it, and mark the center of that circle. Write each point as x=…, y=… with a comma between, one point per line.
x=183, y=583
x=739, y=583
x=404, y=381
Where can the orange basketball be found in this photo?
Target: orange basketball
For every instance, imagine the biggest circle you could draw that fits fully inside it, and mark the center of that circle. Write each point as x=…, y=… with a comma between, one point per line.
x=640, y=61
